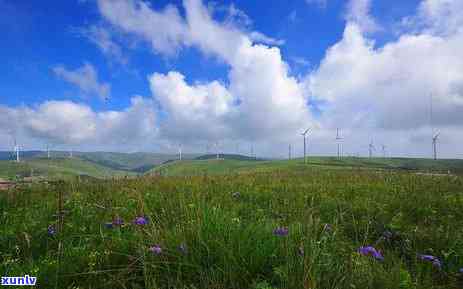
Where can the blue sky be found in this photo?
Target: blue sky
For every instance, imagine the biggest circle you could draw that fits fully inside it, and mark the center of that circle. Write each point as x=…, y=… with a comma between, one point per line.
x=53, y=53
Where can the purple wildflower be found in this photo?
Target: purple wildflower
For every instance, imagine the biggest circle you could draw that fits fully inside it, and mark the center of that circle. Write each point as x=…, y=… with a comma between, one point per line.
x=155, y=249
x=182, y=248
x=429, y=258
x=281, y=231
x=51, y=230
x=118, y=222
x=140, y=221
x=371, y=251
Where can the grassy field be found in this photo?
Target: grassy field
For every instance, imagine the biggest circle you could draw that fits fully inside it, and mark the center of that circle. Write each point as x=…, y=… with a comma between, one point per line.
x=227, y=166
x=57, y=168
x=274, y=225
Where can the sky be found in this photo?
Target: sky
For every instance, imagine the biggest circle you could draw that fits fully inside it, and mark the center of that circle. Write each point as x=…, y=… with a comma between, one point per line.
x=139, y=75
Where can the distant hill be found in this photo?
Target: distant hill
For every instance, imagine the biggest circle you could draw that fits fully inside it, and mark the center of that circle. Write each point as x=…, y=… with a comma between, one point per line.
x=202, y=166
x=136, y=162
x=139, y=162
x=228, y=157
x=56, y=168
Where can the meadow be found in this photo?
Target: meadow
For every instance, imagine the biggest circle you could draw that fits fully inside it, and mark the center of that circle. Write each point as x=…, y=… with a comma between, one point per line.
x=286, y=226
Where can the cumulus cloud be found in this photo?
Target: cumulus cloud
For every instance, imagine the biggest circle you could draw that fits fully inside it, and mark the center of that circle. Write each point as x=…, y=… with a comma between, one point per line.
x=193, y=111
x=70, y=123
x=86, y=79
x=165, y=30
x=259, y=84
x=358, y=12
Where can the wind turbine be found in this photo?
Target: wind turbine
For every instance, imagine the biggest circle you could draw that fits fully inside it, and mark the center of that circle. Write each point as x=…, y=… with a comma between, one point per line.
x=435, y=135
x=48, y=151
x=289, y=152
x=338, y=140
x=16, y=150
x=383, y=148
x=217, y=149
x=371, y=148
x=180, y=152
x=304, y=134
x=434, y=144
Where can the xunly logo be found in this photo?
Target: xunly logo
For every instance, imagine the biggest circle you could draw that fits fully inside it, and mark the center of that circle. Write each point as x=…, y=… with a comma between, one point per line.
x=19, y=281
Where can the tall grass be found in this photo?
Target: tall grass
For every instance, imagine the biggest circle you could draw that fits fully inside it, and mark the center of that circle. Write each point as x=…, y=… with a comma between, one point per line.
x=213, y=237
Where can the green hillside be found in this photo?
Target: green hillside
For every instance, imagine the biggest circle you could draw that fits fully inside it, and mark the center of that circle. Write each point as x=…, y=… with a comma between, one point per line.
x=137, y=162
x=56, y=168
x=212, y=166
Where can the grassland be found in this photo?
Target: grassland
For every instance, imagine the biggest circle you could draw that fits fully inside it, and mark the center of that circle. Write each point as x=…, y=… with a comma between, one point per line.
x=57, y=168
x=221, y=230
x=227, y=166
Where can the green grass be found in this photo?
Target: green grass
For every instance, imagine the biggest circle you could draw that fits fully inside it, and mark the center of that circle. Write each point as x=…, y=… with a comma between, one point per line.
x=217, y=167
x=57, y=168
x=229, y=237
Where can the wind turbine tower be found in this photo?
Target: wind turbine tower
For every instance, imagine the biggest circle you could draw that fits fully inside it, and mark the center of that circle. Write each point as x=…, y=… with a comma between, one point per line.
x=180, y=152
x=371, y=148
x=435, y=135
x=383, y=148
x=16, y=150
x=217, y=148
x=304, y=134
x=434, y=144
x=338, y=140
x=289, y=152
x=48, y=151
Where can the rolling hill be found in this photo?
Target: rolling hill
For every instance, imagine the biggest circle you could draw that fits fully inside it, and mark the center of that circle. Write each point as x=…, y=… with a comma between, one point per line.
x=226, y=166
x=56, y=168
x=94, y=164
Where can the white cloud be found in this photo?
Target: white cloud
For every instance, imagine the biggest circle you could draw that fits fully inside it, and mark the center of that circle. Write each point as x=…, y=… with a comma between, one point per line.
x=437, y=17
x=165, y=30
x=70, y=123
x=258, y=37
x=358, y=12
x=86, y=79
x=259, y=84
x=193, y=111
x=103, y=39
